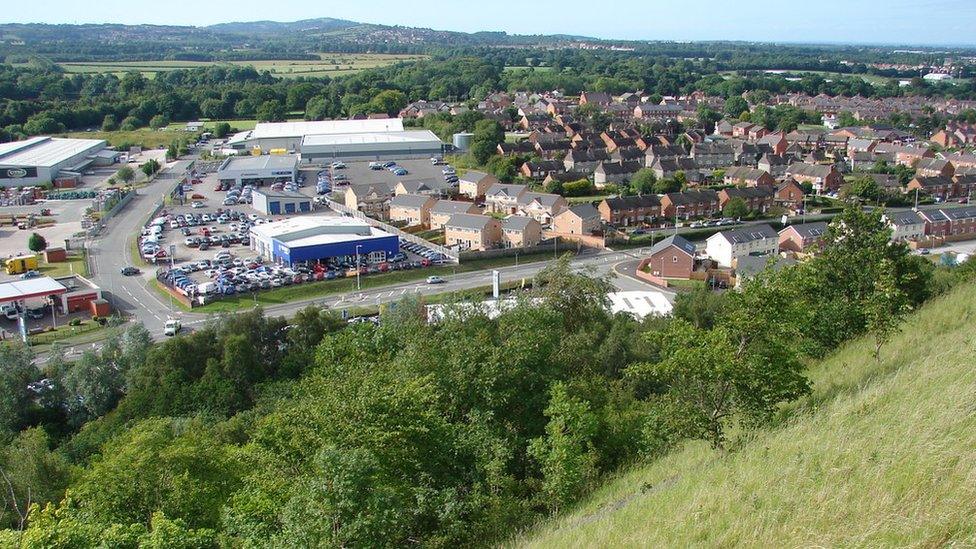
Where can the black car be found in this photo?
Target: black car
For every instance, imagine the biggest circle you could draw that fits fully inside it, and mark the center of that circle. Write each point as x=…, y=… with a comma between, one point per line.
x=130, y=271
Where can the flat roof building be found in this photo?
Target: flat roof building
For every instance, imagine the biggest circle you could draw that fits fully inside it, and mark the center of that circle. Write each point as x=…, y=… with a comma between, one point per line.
x=371, y=146
x=368, y=139
x=280, y=202
x=320, y=238
x=43, y=159
x=258, y=170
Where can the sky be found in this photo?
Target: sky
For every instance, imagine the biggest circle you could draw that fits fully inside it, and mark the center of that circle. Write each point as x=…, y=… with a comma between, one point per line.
x=933, y=22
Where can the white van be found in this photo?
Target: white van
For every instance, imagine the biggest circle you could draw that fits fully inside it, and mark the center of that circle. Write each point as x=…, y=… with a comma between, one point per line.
x=207, y=288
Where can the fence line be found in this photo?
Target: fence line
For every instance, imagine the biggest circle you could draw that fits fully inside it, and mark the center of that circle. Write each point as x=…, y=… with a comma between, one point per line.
x=453, y=254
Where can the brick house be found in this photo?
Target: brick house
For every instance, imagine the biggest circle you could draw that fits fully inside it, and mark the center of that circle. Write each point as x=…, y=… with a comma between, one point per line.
x=584, y=161
x=373, y=199
x=442, y=210
x=614, y=172
x=803, y=238
x=474, y=184
x=599, y=98
x=520, y=232
x=951, y=223
x=503, y=198
x=668, y=167
x=789, y=194
x=757, y=199
x=540, y=206
x=712, y=154
x=473, y=232
x=577, y=219
x=412, y=209
x=623, y=211
x=748, y=177
x=673, y=257
x=775, y=164
x=689, y=204
x=937, y=186
x=540, y=169
x=934, y=167
x=822, y=178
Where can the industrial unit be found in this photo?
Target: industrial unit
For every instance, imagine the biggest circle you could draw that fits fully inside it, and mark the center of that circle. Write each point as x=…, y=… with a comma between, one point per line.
x=369, y=139
x=46, y=159
x=321, y=238
x=280, y=202
x=371, y=146
x=258, y=170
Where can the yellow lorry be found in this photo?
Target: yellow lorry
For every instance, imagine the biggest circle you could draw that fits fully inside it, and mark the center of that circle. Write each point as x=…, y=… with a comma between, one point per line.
x=20, y=264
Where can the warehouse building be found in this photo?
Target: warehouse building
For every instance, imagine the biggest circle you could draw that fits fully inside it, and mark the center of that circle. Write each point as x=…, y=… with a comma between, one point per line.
x=371, y=146
x=46, y=159
x=280, y=202
x=258, y=170
x=369, y=139
x=322, y=238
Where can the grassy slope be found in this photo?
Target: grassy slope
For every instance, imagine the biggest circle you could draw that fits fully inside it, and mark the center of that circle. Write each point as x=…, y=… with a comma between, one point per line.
x=880, y=455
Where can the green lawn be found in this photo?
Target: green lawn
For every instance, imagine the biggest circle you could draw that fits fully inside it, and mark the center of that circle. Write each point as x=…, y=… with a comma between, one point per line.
x=75, y=264
x=299, y=292
x=881, y=454
x=682, y=284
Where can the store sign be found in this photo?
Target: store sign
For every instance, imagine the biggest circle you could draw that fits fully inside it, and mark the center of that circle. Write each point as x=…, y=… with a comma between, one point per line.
x=17, y=173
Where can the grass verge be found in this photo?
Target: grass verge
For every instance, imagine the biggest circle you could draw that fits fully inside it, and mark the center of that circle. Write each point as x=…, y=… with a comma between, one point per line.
x=313, y=290
x=76, y=264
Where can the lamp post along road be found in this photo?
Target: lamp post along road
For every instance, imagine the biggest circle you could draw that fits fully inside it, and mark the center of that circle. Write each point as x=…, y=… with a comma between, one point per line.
x=358, y=285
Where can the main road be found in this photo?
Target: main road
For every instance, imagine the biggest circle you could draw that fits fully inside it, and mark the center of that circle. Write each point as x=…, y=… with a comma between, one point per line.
x=110, y=251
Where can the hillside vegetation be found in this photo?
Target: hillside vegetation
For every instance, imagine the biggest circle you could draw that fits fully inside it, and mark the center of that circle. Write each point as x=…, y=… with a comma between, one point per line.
x=880, y=454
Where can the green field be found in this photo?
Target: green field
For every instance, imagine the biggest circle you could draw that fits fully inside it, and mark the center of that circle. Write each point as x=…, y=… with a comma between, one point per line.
x=328, y=64
x=869, y=78
x=881, y=454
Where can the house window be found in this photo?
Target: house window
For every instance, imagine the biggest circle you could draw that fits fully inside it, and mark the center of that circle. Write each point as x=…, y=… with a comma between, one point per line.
x=674, y=259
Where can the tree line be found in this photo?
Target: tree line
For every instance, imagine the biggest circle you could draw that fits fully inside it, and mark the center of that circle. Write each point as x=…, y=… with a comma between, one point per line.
x=260, y=431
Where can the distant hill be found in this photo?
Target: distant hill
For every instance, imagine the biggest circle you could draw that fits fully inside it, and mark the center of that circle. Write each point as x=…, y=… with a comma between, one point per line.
x=245, y=40
x=320, y=25
x=880, y=455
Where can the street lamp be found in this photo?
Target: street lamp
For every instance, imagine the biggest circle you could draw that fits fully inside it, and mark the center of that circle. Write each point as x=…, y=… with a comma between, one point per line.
x=358, y=285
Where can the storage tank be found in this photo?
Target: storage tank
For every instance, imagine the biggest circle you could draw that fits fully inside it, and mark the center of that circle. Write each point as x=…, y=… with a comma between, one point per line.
x=462, y=141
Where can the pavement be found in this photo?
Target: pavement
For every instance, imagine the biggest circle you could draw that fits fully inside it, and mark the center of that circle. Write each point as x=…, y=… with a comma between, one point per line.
x=132, y=295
